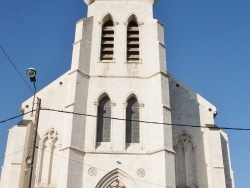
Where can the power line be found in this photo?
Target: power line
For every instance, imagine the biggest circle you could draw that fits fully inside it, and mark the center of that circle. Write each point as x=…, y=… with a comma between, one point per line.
x=14, y=117
x=75, y=162
x=121, y=119
x=5, y=53
x=149, y=122
x=96, y=167
x=61, y=111
x=13, y=153
x=194, y=126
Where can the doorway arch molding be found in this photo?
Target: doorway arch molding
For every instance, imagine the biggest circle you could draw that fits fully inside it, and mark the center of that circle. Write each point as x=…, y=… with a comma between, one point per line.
x=116, y=174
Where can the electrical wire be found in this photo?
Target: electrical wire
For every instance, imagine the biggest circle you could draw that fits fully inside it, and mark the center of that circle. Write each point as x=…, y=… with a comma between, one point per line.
x=75, y=162
x=148, y=122
x=96, y=167
x=3, y=157
x=8, y=57
x=14, y=117
x=121, y=119
x=61, y=111
x=171, y=124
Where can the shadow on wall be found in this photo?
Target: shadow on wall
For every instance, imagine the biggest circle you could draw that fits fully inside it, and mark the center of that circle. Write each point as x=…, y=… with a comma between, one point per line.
x=35, y=174
x=226, y=161
x=191, y=167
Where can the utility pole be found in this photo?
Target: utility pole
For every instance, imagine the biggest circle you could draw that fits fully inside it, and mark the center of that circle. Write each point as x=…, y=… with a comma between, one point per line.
x=32, y=134
x=30, y=160
x=30, y=151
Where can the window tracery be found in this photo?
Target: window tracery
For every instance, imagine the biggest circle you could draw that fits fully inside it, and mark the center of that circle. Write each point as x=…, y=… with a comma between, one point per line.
x=48, y=159
x=185, y=161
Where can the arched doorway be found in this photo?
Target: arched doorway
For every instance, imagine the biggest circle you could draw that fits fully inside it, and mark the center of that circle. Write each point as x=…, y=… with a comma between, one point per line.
x=116, y=179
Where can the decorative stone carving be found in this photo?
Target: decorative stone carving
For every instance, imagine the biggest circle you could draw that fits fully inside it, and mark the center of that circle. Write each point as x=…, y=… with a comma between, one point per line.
x=140, y=23
x=141, y=172
x=48, y=156
x=100, y=23
x=141, y=105
x=92, y=171
x=116, y=184
x=186, y=160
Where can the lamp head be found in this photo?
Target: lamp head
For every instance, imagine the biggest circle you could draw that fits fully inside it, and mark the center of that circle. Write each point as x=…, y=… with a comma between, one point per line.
x=31, y=72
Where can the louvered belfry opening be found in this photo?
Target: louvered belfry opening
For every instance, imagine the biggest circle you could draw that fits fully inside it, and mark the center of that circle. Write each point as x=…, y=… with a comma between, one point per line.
x=133, y=52
x=107, y=45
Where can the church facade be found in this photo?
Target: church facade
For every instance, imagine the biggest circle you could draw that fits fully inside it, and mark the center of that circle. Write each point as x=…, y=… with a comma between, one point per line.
x=117, y=118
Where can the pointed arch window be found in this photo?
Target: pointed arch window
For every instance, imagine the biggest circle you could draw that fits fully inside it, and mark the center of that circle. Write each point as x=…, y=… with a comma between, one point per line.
x=104, y=124
x=132, y=121
x=48, y=159
x=133, y=43
x=107, y=41
x=185, y=161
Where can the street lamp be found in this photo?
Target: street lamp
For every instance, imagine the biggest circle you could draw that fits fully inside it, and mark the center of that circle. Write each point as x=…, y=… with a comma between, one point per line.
x=31, y=72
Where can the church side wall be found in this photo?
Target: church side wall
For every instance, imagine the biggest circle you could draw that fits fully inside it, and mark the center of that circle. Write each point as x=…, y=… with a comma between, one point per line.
x=7, y=160
x=188, y=108
x=14, y=157
x=55, y=96
x=62, y=94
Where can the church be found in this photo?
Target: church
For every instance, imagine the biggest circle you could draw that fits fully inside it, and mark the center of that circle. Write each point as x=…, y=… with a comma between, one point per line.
x=118, y=118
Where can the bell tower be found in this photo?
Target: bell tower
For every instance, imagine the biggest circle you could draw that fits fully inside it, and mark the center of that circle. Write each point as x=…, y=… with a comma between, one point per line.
x=119, y=55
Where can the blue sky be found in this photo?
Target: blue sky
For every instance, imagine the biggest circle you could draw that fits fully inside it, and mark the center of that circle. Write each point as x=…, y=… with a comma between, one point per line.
x=207, y=43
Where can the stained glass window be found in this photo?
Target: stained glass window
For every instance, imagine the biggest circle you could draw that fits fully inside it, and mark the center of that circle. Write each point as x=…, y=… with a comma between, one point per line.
x=104, y=124
x=132, y=121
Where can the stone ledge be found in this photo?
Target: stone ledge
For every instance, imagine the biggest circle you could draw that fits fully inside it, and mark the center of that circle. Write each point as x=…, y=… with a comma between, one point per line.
x=131, y=153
